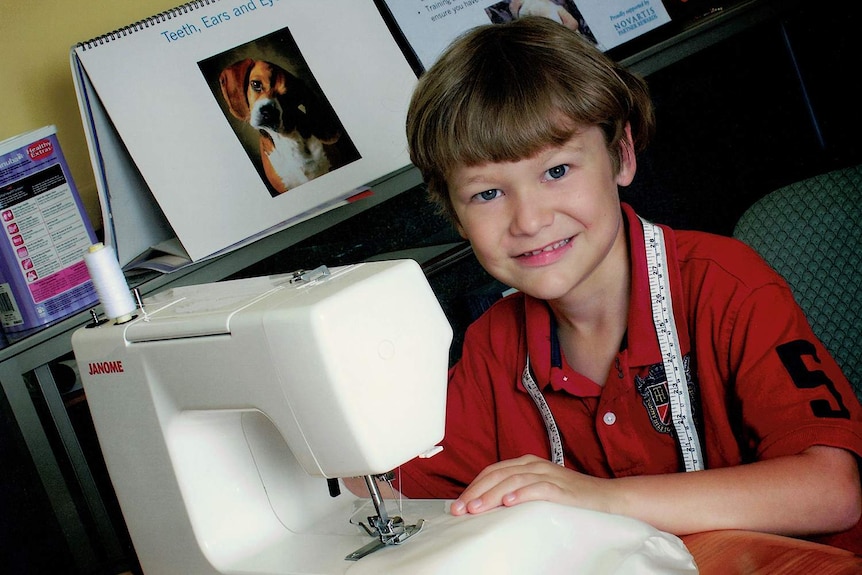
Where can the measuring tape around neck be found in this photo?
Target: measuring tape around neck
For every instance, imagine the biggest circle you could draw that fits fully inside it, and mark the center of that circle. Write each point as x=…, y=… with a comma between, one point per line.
x=545, y=411
x=679, y=400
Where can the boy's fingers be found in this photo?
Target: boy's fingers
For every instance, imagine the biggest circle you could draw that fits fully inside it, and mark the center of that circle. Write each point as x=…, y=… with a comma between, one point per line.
x=505, y=483
x=506, y=489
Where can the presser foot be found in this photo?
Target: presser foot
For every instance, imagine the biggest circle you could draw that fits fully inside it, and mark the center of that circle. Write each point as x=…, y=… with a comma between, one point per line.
x=384, y=541
x=388, y=530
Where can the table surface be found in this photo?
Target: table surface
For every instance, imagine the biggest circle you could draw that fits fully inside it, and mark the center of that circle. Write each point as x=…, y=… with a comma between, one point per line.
x=749, y=553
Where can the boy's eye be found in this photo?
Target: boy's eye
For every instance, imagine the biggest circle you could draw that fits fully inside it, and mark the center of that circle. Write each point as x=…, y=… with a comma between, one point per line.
x=487, y=195
x=557, y=172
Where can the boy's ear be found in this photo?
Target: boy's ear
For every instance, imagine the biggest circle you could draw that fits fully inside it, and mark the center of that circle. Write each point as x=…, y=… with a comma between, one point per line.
x=628, y=162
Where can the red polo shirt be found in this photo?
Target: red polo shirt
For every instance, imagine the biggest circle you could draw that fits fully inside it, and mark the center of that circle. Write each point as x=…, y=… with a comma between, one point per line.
x=762, y=384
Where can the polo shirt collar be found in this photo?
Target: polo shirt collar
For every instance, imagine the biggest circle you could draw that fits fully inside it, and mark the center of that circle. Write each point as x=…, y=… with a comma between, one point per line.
x=546, y=358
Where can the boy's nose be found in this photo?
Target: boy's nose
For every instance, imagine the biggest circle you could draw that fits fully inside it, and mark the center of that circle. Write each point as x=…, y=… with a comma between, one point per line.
x=529, y=215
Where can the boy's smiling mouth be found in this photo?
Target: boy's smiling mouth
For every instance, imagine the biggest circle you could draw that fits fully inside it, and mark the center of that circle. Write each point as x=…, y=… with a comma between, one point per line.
x=548, y=248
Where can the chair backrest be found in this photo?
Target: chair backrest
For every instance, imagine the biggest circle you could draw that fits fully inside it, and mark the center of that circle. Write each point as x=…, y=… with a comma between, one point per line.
x=811, y=233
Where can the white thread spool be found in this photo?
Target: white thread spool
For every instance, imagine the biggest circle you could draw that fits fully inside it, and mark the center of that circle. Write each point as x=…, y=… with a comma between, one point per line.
x=110, y=283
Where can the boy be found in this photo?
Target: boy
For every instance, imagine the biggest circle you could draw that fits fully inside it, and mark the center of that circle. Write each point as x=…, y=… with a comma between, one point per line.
x=523, y=132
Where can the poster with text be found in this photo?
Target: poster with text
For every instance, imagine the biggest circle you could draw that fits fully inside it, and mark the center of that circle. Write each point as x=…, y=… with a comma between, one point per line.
x=428, y=26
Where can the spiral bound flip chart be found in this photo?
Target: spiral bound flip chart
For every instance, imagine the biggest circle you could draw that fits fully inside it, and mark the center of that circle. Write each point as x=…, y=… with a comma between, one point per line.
x=180, y=149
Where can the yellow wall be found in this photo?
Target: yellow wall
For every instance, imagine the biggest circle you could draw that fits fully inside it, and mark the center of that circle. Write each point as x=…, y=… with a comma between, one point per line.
x=35, y=77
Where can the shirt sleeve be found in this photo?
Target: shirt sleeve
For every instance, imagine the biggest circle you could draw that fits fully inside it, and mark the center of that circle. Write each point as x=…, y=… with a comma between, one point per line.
x=791, y=392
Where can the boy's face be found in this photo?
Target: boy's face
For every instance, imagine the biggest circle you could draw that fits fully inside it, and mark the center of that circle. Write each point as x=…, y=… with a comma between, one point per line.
x=547, y=225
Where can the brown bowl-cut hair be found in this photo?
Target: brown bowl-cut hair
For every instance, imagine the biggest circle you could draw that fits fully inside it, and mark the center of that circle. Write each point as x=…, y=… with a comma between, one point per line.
x=504, y=92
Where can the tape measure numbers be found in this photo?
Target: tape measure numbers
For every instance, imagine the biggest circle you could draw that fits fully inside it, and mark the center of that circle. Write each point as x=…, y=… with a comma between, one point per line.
x=665, y=327
x=545, y=411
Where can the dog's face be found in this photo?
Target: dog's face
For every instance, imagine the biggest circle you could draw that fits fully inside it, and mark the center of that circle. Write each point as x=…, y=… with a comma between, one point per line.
x=294, y=125
x=271, y=92
x=271, y=98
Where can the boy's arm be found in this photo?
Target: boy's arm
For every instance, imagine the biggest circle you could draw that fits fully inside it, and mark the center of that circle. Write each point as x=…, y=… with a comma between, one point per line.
x=816, y=491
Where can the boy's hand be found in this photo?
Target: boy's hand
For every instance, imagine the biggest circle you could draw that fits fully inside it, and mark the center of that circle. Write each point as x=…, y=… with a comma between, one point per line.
x=812, y=492
x=531, y=478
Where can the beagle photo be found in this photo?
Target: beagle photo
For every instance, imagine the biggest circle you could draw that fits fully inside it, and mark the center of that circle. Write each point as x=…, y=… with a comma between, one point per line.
x=297, y=133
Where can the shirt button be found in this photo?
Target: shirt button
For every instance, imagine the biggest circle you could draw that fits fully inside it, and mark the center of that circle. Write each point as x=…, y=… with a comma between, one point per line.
x=609, y=418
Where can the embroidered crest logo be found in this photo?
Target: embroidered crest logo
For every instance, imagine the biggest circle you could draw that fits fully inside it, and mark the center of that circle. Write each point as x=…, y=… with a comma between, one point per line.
x=654, y=394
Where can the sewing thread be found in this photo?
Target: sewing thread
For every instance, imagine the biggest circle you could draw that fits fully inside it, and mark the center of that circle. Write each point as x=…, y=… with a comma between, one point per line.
x=110, y=283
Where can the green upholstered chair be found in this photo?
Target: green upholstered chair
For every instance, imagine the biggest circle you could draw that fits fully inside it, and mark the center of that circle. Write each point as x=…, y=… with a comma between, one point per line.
x=811, y=233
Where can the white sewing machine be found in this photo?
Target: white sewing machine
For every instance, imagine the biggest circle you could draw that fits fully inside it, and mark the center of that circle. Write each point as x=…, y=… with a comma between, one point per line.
x=221, y=409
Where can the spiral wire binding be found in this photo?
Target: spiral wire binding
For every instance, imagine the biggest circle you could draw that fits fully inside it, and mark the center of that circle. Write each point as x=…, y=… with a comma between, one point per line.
x=145, y=23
